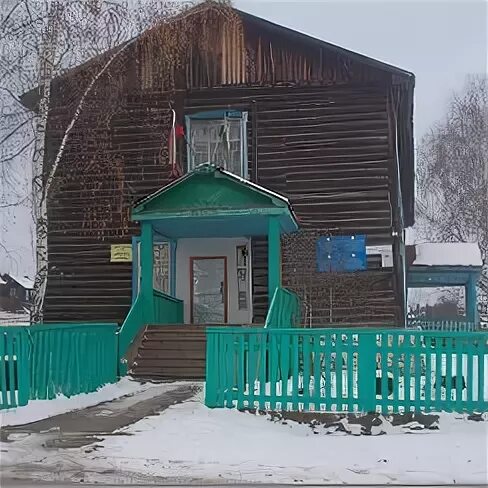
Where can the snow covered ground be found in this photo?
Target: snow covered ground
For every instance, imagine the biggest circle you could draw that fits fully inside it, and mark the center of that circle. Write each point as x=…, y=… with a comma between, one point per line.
x=191, y=442
x=42, y=409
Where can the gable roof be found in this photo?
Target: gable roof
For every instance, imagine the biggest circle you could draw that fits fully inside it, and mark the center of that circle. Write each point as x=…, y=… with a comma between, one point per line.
x=252, y=24
x=216, y=201
x=24, y=281
x=294, y=36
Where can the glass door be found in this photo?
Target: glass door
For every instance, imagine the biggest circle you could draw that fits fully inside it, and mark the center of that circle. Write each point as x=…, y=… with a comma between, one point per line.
x=208, y=290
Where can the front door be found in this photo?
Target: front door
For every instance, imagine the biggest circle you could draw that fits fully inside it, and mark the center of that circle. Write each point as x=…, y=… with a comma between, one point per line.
x=208, y=290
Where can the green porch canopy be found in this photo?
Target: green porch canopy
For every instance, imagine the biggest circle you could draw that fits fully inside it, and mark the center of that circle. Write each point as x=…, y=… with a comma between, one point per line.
x=211, y=202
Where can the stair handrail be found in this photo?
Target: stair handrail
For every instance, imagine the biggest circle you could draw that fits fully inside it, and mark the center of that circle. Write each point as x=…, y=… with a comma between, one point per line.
x=284, y=311
x=129, y=330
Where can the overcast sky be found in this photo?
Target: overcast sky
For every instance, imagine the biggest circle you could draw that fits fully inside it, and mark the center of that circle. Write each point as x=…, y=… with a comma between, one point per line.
x=439, y=41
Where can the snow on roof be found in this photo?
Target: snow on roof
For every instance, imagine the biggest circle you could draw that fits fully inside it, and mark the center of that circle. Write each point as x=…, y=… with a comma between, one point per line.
x=2, y=282
x=448, y=254
x=23, y=281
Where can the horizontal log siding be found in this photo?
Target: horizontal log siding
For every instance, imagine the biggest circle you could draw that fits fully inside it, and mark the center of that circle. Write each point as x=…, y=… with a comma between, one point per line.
x=327, y=150
x=106, y=167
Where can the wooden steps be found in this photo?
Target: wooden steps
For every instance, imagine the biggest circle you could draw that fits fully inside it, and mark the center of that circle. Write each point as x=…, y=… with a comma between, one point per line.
x=171, y=352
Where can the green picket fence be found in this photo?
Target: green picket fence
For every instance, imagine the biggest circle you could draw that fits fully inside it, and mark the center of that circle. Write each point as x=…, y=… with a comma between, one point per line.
x=348, y=370
x=442, y=325
x=42, y=361
x=14, y=367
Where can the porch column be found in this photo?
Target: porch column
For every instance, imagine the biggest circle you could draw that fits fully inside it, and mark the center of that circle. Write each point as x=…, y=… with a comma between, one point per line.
x=274, y=256
x=470, y=294
x=147, y=269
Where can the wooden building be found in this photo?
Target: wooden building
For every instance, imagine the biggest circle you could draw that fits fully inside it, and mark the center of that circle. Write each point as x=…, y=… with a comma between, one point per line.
x=326, y=128
x=15, y=293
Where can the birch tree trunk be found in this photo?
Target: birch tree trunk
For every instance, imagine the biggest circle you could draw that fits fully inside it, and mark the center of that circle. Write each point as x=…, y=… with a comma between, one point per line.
x=39, y=204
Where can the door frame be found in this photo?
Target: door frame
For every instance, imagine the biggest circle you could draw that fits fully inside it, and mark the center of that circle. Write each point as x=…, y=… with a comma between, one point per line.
x=226, y=297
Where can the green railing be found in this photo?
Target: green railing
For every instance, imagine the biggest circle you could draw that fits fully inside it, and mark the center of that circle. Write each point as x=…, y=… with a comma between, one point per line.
x=135, y=320
x=166, y=310
x=442, y=325
x=347, y=370
x=42, y=361
x=284, y=310
x=14, y=367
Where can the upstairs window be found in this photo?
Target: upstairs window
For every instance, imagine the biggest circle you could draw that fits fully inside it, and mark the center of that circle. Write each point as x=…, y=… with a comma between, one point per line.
x=220, y=138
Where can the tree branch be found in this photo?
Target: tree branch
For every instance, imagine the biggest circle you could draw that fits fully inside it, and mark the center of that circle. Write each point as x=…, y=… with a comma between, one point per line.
x=20, y=151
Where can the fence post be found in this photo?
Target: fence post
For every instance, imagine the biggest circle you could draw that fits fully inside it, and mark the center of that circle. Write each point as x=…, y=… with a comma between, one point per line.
x=367, y=371
x=212, y=370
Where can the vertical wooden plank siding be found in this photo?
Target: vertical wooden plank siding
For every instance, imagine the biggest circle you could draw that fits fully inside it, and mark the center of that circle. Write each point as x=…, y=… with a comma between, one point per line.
x=328, y=369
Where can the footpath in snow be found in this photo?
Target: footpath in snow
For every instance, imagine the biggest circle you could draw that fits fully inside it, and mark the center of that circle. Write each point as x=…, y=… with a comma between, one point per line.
x=189, y=442
x=42, y=409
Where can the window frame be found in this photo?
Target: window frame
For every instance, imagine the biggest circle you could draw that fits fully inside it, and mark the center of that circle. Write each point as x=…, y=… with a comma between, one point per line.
x=136, y=265
x=219, y=115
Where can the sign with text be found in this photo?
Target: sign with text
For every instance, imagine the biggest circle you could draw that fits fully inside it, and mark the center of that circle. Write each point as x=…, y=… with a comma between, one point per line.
x=121, y=253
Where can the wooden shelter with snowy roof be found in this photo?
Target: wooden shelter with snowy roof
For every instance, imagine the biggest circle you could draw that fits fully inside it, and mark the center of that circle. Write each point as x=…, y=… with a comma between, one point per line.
x=446, y=264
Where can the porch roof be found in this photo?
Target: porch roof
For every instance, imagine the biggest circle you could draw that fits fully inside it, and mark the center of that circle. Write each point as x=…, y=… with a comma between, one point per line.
x=434, y=264
x=436, y=276
x=211, y=202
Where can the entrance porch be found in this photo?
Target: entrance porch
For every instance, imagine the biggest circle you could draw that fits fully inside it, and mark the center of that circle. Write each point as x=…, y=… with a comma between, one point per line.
x=207, y=217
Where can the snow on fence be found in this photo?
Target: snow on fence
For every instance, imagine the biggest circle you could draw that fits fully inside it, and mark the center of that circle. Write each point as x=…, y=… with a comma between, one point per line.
x=42, y=361
x=347, y=370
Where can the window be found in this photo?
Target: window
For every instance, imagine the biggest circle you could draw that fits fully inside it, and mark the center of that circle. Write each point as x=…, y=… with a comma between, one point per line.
x=220, y=138
x=161, y=265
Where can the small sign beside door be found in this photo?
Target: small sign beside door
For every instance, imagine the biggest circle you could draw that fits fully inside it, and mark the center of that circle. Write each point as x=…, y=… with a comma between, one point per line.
x=121, y=253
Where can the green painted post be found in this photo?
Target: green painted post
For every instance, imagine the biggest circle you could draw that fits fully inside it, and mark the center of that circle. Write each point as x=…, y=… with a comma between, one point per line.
x=367, y=372
x=274, y=256
x=212, y=370
x=339, y=372
x=273, y=367
x=252, y=364
x=295, y=369
x=147, y=270
x=471, y=307
x=384, y=355
x=317, y=371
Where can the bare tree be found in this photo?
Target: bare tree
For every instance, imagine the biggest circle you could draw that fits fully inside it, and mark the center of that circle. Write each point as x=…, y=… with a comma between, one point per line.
x=41, y=40
x=452, y=172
